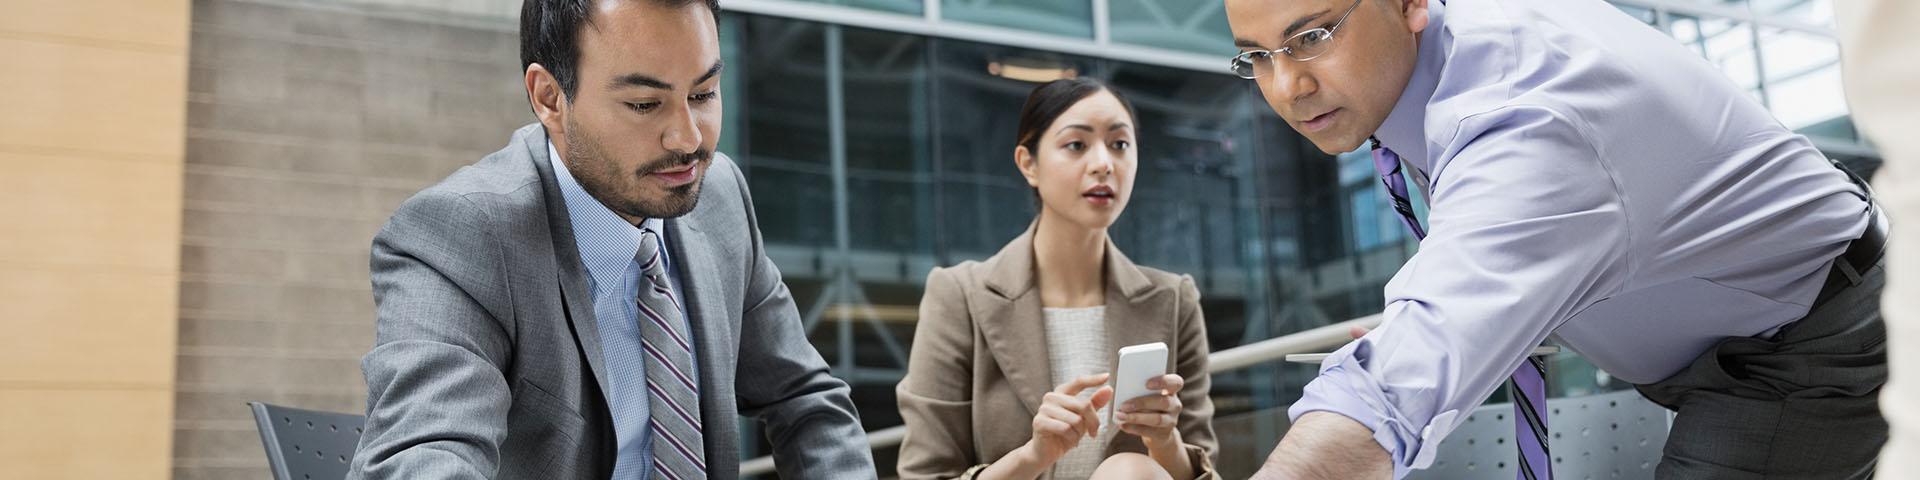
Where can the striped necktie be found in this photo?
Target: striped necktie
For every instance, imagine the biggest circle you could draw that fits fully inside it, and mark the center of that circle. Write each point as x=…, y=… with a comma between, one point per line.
x=1528, y=387
x=672, y=393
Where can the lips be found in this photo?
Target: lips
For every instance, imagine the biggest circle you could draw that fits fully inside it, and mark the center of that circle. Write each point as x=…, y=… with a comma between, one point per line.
x=675, y=176
x=1100, y=195
x=1321, y=121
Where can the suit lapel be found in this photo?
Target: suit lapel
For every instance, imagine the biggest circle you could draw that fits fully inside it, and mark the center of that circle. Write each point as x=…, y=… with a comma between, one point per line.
x=576, y=296
x=1011, y=321
x=1136, y=311
x=713, y=327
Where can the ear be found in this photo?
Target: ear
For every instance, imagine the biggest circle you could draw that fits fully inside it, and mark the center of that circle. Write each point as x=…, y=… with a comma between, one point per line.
x=543, y=91
x=1415, y=12
x=1024, y=159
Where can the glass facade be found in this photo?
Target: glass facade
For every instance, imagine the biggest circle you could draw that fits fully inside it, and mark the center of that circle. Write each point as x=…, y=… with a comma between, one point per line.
x=1070, y=18
x=912, y=7
x=876, y=154
x=1782, y=51
x=1198, y=26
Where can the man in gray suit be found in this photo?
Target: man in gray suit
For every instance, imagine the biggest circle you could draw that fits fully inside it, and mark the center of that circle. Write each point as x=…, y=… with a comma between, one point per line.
x=594, y=301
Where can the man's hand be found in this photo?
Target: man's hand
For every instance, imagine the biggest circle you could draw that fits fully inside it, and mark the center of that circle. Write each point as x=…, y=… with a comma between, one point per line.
x=1327, y=446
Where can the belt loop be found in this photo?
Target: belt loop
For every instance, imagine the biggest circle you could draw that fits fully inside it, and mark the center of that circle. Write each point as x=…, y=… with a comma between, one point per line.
x=1853, y=276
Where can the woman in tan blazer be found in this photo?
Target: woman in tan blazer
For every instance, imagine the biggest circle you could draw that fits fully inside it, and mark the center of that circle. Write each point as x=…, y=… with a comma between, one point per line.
x=1008, y=373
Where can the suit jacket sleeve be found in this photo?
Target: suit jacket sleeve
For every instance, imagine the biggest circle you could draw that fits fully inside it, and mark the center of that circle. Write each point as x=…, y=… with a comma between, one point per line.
x=436, y=399
x=782, y=380
x=936, y=399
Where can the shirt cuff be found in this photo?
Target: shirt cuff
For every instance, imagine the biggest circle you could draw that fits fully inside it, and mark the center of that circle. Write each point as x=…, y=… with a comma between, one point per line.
x=1344, y=388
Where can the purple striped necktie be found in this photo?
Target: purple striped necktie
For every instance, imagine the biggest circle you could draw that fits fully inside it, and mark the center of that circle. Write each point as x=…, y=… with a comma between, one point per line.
x=1528, y=387
x=673, y=395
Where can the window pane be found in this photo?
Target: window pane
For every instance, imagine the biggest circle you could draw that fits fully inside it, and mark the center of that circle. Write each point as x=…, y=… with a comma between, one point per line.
x=784, y=145
x=1813, y=13
x=1644, y=15
x=889, y=143
x=732, y=113
x=1725, y=43
x=912, y=7
x=984, y=200
x=1803, y=82
x=1198, y=26
x=1072, y=18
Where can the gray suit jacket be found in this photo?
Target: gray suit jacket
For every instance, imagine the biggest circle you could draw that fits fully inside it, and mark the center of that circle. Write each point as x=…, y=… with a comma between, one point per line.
x=487, y=363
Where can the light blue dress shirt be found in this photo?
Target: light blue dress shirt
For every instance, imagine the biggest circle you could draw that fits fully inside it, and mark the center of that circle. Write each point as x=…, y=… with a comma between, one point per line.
x=1589, y=179
x=607, y=246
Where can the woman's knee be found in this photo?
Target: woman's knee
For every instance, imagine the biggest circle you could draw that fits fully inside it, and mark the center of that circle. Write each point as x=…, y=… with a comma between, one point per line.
x=1130, y=466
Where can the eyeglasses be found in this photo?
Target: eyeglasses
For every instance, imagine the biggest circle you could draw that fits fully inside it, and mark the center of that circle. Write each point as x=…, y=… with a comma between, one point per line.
x=1300, y=47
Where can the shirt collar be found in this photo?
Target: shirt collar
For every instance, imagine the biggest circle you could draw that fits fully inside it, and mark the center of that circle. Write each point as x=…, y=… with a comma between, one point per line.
x=1404, y=131
x=607, y=243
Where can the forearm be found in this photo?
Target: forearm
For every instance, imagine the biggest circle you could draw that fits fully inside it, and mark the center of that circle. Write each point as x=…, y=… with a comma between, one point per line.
x=1174, y=458
x=1327, y=446
x=815, y=431
x=1020, y=464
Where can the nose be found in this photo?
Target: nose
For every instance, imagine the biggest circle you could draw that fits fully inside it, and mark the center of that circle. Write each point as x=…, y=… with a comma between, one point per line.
x=1101, y=164
x=1290, y=83
x=683, y=132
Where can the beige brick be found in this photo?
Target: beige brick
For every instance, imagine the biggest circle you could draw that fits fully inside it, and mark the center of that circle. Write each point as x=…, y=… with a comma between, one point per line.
x=88, y=327
x=89, y=211
x=93, y=99
x=147, y=24
x=85, y=433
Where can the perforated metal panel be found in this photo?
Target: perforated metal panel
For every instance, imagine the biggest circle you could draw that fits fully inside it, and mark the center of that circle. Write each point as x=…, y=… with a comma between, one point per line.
x=307, y=444
x=1615, y=435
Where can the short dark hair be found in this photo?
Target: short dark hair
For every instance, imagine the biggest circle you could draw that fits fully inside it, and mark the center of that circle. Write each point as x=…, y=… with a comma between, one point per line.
x=1050, y=100
x=550, y=35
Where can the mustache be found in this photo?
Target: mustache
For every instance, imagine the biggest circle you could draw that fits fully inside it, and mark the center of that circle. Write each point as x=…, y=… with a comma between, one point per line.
x=675, y=160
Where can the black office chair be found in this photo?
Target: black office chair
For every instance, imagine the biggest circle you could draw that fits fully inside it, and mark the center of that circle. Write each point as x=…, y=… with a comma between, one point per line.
x=307, y=444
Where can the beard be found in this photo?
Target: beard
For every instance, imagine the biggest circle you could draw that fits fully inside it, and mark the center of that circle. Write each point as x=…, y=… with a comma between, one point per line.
x=605, y=181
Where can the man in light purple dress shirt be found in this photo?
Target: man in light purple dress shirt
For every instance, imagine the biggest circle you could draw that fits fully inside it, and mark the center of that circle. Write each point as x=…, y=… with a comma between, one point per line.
x=1593, y=181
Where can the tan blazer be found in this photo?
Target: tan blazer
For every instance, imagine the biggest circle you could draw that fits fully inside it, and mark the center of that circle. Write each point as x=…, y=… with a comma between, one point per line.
x=979, y=365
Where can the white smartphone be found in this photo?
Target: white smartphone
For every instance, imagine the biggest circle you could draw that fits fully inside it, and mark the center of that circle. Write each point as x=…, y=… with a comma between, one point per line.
x=1138, y=364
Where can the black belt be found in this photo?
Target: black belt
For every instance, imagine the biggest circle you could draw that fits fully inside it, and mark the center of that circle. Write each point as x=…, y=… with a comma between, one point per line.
x=1862, y=253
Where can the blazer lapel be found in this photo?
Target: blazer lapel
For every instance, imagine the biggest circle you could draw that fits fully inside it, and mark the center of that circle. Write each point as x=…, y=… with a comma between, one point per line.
x=1010, y=319
x=576, y=296
x=1136, y=311
x=705, y=299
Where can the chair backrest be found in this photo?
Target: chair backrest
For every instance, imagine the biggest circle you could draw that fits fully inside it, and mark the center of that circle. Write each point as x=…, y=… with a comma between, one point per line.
x=1615, y=435
x=307, y=444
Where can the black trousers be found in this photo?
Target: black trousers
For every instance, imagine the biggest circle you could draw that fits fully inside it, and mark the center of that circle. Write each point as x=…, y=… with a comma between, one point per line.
x=1800, y=405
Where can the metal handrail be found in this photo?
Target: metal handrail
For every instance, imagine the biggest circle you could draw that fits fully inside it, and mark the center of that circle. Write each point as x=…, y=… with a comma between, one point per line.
x=1232, y=359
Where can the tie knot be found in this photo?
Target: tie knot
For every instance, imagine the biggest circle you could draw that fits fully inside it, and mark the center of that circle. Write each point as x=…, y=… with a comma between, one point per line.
x=652, y=264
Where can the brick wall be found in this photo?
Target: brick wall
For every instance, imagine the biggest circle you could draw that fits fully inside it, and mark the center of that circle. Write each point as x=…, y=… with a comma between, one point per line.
x=308, y=123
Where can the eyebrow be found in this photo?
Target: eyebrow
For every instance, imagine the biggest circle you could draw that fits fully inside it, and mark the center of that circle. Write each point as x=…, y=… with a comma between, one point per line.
x=711, y=72
x=1302, y=22
x=1084, y=127
x=644, y=81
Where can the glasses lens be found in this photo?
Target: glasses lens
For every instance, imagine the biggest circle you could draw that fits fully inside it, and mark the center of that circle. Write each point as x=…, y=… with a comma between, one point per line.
x=1243, y=64
x=1310, y=44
